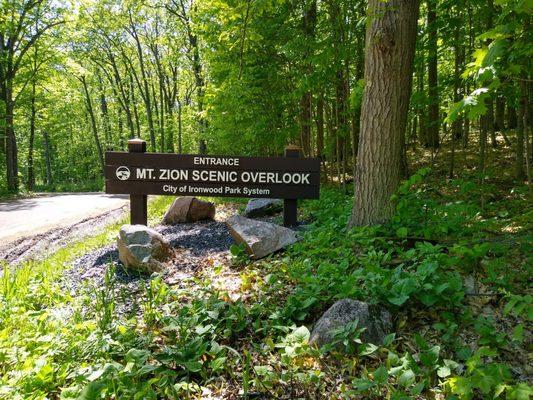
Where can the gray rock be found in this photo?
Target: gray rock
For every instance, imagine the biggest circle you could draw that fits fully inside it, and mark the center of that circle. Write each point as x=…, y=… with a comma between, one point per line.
x=188, y=209
x=470, y=285
x=377, y=321
x=142, y=248
x=261, y=207
x=261, y=238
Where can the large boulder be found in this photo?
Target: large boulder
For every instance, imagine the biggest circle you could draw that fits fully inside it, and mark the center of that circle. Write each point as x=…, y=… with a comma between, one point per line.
x=142, y=249
x=261, y=207
x=188, y=209
x=376, y=320
x=261, y=238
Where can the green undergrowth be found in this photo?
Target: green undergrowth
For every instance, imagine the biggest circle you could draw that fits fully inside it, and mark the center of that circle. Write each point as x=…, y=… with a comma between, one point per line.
x=200, y=341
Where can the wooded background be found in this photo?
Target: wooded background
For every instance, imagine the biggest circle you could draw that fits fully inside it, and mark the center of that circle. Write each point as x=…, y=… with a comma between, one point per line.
x=248, y=77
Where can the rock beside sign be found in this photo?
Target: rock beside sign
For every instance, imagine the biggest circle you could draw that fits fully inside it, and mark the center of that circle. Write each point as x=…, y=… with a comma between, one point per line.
x=188, y=209
x=261, y=207
x=376, y=321
x=261, y=238
x=142, y=248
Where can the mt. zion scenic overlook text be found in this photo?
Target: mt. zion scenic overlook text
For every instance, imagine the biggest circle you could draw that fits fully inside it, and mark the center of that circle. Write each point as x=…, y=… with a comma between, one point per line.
x=172, y=174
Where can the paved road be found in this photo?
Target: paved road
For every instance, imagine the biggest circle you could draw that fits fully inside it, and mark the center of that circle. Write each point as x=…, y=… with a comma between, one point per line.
x=28, y=217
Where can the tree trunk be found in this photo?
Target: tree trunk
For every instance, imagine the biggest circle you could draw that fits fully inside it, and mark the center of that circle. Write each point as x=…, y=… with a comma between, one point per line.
x=31, y=175
x=11, y=148
x=519, y=149
x=390, y=48
x=457, y=125
x=93, y=122
x=433, y=91
x=489, y=103
x=144, y=88
x=180, y=133
x=320, y=125
x=500, y=113
x=47, y=158
x=422, y=129
x=490, y=121
x=306, y=101
x=104, y=112
x=512, y=120
x=483, y=128
x=135, y=109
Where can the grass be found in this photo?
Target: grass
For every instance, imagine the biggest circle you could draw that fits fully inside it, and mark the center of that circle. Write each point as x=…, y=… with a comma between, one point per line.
x=206, y=337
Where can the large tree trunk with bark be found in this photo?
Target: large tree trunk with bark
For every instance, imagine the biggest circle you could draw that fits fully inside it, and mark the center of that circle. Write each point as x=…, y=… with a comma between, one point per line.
x=390, y=48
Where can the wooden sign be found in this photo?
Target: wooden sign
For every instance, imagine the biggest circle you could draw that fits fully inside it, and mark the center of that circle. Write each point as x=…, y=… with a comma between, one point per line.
x=138, y=173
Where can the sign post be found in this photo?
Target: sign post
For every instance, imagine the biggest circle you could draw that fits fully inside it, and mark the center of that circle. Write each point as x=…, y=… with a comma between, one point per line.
x=138, y=202
x=290, y=206
x=139, y=174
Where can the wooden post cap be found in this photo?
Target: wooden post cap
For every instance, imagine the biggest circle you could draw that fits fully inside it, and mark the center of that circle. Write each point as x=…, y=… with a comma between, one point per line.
x=136, y=145
x=292, y=147
x=136, y=140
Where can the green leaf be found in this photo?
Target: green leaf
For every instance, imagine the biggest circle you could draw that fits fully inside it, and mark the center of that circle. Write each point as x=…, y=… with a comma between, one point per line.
x=401, y=232
x=362, y=385
x=407, y=378
x=518, y=333
x=522, y=391
x=137, y=356
x=92, y=391
x=387, y=340
x=444, y=371
x=418, y=388
x=367, y=348
x=380, y=375
x=399, y=299
x=218, y=363
x=301, y=334
x=430, y=357
x=192, y=366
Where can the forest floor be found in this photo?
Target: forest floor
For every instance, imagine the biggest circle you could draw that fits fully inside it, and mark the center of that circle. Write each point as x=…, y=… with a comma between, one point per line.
x=453, y=267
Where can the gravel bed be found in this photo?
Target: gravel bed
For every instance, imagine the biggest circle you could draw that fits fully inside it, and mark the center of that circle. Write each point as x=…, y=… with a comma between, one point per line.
x=198, y=245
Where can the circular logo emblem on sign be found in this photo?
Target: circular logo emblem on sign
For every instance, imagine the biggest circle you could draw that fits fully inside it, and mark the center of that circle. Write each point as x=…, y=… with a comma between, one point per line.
x=123, y=173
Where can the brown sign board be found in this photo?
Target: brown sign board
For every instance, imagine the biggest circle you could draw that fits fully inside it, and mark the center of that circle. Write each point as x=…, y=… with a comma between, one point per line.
x=218, y=176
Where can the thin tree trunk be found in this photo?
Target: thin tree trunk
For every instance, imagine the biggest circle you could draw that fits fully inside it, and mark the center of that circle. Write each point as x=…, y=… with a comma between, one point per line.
x=490, y=121
x=135, y=109
x=94, y=127
x=31, y=174
x=306, y=101
x=422, y=133
x=105, y=115
x=512, y=119
x=320, y=125
x=47, y=158
x=457, y=125
x=500, y=113
x=180, y=132
x=433, y=91
x=519, y=149
x=390, y=48
x=483, y=122
x=144, y=88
